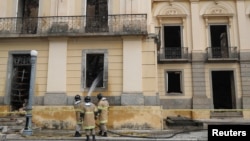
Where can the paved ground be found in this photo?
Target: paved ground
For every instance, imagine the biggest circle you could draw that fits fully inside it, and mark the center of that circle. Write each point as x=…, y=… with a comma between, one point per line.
x=124, y=135
x=181, y=133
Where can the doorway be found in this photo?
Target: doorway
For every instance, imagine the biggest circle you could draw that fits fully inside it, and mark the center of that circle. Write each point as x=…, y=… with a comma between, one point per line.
x=172, y=42
x=219, y=41
x=20, y=81
x=223, y=90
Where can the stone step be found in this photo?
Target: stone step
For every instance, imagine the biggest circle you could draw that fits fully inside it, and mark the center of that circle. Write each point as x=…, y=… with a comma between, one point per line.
x=12, y=124
x=11, y=121
x=226, y=114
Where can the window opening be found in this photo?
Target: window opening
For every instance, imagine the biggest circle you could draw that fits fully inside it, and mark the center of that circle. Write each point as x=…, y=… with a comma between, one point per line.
x=20, y=81
x=223, y=90
x=28, y=15
x=219, y=41
x=172, y=41
x=174, y=82
x=94, y=70
x=97, y=16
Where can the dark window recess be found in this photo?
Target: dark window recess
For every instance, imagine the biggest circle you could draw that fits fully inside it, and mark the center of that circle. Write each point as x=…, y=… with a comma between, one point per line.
x=20, y=82
x=95, y=67
x=219, y=41
x=223, y=89
x=172, y=41
x=174, y=82
x=28, y=13
x=97, y=16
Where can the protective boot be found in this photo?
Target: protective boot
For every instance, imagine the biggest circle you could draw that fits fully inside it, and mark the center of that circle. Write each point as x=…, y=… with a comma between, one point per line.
x=105, y=134
x=93, y=138
x=100, y=132
x=87, y=138
x=77, y=134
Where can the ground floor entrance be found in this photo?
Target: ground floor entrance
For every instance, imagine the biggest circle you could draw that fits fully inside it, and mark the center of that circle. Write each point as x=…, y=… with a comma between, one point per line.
x=223, y=94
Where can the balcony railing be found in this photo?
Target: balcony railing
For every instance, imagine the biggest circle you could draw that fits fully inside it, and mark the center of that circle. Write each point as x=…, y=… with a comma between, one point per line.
x=125, y=24
x=173, y=54
x=222, y=53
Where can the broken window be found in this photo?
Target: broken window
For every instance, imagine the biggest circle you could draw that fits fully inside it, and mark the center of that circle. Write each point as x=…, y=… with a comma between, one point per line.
x=174, y=82
x=28, y=13
x=97, y=16
x=219, y=41
x=95, y=69
x=172, y=42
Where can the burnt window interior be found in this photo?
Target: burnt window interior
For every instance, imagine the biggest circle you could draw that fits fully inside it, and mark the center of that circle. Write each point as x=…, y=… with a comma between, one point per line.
x=172, y=42
x=30, y=8
x=20, y=82
x=28, y=13
x=94, y=69
x=172, y=36
x=97, y=16
x=223, y=89
x=218, y=35
x=219, y=41
x=174, y=82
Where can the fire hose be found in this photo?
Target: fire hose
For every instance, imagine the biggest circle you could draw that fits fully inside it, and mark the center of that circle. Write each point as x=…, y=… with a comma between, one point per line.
x=154, y=137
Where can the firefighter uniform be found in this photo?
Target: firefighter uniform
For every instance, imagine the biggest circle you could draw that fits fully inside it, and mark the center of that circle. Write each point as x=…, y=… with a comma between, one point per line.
x=89, y=115
x=103, y=106
x=78, y=104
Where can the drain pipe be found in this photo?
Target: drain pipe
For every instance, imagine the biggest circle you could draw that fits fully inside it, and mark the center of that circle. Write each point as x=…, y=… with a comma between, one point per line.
x=28, y=125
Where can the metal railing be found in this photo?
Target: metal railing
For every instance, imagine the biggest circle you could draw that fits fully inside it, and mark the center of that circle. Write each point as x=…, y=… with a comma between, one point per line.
x=222, y=53
x=173, y=53
x=63, y=25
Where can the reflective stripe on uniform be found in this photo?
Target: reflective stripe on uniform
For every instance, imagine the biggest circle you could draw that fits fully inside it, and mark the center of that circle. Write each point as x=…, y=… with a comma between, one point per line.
x=79, y=122
x=78, y=110
x=89, y=127
x=89, y=112
x=102, y=108
x=103, y=121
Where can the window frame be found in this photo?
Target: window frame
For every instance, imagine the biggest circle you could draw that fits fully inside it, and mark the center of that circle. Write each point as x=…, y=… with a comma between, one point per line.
x=105, y=68
x=173, y=25
x=181, y=83
x=227, y=31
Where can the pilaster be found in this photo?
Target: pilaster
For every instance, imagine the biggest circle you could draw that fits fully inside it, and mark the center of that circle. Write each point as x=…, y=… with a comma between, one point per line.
x=56, y=79
x=132, y=71
x=195, y=20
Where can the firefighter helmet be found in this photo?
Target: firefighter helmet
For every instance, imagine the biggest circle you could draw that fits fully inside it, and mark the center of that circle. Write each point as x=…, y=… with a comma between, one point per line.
x=87, y=99
x=77, y=97
x=99, y=96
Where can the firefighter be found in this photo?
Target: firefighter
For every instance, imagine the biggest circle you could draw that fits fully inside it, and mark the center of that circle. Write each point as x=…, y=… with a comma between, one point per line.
x=89, y=116
x=78, y=104
x=102, y=107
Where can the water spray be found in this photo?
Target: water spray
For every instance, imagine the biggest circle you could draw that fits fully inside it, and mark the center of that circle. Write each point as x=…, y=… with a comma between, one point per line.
x=94, y=83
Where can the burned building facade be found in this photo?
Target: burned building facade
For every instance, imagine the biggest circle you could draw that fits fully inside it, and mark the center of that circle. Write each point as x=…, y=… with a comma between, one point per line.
x=187, y=57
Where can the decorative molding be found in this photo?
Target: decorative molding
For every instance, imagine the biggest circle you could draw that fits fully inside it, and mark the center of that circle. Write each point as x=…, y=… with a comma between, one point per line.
x=183, y=16
x=171, y=2
x=161, y=18
x=217, y=11
x=216, y=2
x=210, y=16
x=171, y=12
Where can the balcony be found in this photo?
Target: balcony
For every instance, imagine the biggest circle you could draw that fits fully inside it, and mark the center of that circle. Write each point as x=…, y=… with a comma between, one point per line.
x=222, y=54
x=173, y=54
x=125, y=24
